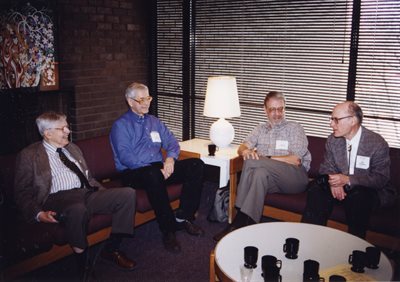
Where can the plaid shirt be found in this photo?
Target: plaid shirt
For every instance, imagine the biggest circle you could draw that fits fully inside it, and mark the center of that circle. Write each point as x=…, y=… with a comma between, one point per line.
x=271, y=141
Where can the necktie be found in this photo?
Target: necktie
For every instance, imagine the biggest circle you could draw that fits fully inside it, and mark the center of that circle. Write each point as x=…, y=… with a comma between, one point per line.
x=74, y=168
x=349, y=156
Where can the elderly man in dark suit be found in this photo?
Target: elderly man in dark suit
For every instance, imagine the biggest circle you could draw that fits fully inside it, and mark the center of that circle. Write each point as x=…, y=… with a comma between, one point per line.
x=355, y=171
x=53, y=185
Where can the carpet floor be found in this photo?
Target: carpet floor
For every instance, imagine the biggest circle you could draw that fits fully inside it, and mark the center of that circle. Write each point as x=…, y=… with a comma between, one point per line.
x=154, y=263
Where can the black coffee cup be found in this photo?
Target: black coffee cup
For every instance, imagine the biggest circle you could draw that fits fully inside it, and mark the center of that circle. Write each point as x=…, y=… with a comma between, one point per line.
x=337, y=278
x=250, y=256
x=373, y=255
x=311, y=271
x=271, y=266
x=358, y=260
x=291, y=248
x=272, y=278
x=211, y=149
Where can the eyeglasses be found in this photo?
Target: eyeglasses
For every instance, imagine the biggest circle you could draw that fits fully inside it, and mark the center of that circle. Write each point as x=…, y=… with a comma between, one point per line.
x=64, y=128
x=279, y=110
x=336, y=120
x=143, y=100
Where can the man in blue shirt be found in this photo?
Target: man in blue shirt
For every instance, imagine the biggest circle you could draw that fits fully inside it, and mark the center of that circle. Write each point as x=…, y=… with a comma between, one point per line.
x=137, y=139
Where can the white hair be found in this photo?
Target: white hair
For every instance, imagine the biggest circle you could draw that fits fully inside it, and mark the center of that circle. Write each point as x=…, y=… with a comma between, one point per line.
x=47, y=120
x=133, y=88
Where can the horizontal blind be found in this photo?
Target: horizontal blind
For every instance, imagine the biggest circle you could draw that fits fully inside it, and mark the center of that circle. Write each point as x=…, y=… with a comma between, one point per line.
x=298, y=47
x=169, y=65
x=378, y=68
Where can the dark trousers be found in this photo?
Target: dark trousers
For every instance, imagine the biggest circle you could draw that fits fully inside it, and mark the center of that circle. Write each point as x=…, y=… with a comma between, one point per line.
x=150, y=178
x=359, y=204
x=80, y=204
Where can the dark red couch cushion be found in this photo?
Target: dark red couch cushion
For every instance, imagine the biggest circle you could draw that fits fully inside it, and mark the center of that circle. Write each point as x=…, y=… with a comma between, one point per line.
x=316, y=146
x=99, y=157
x=7, y=173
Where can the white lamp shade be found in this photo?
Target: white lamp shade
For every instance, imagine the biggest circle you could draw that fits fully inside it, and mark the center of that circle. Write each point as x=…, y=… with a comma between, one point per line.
x=222, y=100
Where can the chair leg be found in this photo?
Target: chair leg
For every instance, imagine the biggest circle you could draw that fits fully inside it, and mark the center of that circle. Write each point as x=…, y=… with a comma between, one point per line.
x=212, y=267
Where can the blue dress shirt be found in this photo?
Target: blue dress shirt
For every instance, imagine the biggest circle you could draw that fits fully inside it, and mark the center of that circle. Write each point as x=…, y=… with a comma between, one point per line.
x=137, y=141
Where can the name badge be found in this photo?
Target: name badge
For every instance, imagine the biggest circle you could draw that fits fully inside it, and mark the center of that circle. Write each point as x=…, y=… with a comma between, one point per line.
x=362, y=162
x=155, y=137
x=282, y=145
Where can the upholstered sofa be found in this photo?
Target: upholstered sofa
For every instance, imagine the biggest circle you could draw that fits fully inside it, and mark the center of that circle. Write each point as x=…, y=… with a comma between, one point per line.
x=384, y=228
x=25, y=247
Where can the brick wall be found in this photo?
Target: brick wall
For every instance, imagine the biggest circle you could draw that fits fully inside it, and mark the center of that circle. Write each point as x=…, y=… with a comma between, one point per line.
x=102, y=48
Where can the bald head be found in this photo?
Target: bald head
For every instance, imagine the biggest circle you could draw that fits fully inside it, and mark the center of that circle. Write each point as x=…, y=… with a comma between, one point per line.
x=346, y=119
x=352, y=109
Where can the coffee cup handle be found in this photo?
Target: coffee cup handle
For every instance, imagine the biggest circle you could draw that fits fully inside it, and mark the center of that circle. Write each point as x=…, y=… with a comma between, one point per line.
x=279, y=263
x=284, y=248
x=350, y=258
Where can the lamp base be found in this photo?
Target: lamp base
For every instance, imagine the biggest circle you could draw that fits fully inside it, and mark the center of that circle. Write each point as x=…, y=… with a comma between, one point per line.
x=222, y=133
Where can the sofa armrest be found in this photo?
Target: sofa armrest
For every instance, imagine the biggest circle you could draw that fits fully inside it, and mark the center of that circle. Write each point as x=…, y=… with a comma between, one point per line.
x=187, y=155
x=236, y=165
x=183, y=155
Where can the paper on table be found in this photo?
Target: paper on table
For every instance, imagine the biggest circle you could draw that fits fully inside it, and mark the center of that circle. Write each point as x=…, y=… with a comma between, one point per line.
x=345, y=271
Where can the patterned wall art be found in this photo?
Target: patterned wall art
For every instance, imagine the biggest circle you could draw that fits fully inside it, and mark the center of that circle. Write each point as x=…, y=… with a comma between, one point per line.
x=27, y=47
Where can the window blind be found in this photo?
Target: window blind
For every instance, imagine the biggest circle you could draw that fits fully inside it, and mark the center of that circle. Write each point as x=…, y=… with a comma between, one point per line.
x=169, y=65
x=378, y=68
x=298, y=47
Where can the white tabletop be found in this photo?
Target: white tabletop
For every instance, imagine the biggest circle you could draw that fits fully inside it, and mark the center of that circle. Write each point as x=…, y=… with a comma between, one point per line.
x=330, y=247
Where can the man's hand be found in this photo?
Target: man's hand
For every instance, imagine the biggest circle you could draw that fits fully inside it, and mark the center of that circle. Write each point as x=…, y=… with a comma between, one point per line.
x=337, y=181
x=168, y=168
x=247, y=153
x=250, y=154
x=47, y=217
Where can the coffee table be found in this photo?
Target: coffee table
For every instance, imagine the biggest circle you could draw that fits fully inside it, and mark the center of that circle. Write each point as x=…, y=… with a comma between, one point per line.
x=330, y=247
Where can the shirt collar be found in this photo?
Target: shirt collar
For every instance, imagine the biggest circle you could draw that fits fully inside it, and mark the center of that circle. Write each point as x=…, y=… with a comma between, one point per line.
x=135, y=117
x=356, y=138
x=281, y=124
x=50, y=148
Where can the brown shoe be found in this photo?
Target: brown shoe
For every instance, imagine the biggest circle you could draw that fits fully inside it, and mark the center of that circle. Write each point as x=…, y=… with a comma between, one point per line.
x=190, y=228
x=119, y=259
x=224, y=232
x=170, y=243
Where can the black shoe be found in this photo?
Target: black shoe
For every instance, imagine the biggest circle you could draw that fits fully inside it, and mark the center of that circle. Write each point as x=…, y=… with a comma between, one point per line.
x=190, y=228
x=224, y=232
x=170, y=243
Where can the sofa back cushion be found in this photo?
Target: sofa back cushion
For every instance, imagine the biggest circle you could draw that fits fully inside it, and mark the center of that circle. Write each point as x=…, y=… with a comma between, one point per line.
x=7, y=173
x=395, y=168
x=99, y=157
x=316, y=146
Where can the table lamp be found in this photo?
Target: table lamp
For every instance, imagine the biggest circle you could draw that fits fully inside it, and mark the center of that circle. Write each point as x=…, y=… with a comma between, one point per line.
x=222, y=102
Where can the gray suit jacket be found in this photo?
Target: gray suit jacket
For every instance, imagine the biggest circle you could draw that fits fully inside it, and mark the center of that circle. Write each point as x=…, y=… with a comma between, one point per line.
x=33, y=178
x=376, y=176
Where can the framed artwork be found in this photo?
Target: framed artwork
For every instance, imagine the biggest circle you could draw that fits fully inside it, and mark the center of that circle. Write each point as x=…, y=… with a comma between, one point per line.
x=27, y=45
